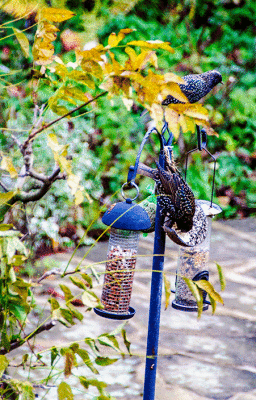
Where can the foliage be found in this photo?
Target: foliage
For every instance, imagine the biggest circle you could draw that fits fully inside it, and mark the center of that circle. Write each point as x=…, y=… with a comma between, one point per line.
x=70, y=128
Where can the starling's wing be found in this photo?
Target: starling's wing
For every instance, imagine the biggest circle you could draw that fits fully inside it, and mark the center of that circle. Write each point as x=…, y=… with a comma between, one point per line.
x=169, y=181
x=184, y=200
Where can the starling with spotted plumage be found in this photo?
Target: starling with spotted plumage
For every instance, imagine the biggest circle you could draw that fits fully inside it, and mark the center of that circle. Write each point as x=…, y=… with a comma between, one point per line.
x=176, y=199
x=196, y=86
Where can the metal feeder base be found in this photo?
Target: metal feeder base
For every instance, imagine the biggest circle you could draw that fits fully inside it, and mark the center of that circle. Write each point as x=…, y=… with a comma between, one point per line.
x=111, y=315
x=183, y=307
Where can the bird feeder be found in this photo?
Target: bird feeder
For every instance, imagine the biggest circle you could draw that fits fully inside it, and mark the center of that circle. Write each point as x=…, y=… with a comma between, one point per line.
x=193, y=264
x=126, y=220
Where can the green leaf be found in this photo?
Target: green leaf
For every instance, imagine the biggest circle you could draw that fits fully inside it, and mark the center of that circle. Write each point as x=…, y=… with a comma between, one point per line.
x=5, y=227
x=3, y=364
x=93, y=382
x=78, y=282
x=54, y=303
x=86, y=359
x=65, y=392
x=67, y=292
x=67, y=315
x=109, y=340
x=221, y=277
x=90, y=299
x=104, y=361
x=27, y=391
x=208, y=287
x=23, y=41
x=75, y=313
x=213, y=304
x=54, y=355
x=70, y=360
x=92, y=344
x=167, y=290
x=87, y=278
x=193, y=288
x=197, y=293
x=18, y=311
x=126, y=342
x=5, y=197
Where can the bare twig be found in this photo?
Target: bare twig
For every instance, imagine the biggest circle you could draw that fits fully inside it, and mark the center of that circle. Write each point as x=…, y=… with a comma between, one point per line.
x=55, y=271
x=34, y=133
x=4, y=187
x=18, y=343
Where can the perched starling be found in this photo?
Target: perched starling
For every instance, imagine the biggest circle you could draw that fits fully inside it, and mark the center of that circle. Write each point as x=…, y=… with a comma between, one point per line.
x=196, y=87
x=176, y=199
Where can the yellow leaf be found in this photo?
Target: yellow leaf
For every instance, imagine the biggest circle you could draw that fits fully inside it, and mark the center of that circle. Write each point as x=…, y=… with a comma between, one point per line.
x=79, y=198
x=173, y=89
x=19, y=8
x=23, y=41
x=92, y=67
x=221, y=277
x=93, y=54
x=82, y=78
x=197, y=111
x=55, y=14
x=142, y=59
x=152, y=44
x=172, y=118
x=156, y=113
x=73, y=182
x=114, y=40
x=167, y=290
x=7, y=165
x=170, y=77
x=213, y=304
x=59, y=152
x=190, y=124
x=5, y=197
x=208, y=287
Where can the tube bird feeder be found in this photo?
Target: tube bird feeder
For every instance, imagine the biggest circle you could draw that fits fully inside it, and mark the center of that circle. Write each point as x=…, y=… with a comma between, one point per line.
x=193, y=264
x=126, y=220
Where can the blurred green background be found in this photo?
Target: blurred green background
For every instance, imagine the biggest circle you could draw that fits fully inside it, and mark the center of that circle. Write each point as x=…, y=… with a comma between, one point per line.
x=103, y=142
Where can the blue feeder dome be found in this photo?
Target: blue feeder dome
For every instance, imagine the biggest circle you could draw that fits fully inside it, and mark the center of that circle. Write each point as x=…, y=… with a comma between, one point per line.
x=127, y=216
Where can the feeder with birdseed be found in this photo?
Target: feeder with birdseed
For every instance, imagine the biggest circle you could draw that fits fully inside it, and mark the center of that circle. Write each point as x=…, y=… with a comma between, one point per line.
x=193, y=264
x=193, y=261
x=126, y=219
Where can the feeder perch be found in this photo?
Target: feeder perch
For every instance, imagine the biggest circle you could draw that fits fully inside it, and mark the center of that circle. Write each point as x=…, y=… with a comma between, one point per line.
x=193, y=264
x=126, y=220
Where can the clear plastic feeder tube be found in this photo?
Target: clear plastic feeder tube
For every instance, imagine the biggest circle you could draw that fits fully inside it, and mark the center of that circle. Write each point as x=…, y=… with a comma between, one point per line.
x=120, y=266
x=191, y=262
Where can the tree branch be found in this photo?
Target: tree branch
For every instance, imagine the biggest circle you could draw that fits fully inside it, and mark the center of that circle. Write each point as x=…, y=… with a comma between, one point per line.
x=4, y=187
x=34, y=133
x=42, y=328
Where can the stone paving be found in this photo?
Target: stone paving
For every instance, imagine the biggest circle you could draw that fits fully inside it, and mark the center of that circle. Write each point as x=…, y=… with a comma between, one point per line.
x=210, y=358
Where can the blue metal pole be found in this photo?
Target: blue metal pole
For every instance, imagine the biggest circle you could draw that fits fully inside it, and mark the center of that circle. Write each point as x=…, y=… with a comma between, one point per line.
x=155, y=305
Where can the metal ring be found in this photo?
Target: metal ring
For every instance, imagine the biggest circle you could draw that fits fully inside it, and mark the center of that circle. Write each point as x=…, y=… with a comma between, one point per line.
x=132, y=184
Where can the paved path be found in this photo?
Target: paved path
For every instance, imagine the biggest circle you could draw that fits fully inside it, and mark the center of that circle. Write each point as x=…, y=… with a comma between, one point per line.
x=210, y=358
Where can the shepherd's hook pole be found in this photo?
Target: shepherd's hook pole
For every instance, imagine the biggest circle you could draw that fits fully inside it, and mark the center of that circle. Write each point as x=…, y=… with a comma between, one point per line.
x=155, y=304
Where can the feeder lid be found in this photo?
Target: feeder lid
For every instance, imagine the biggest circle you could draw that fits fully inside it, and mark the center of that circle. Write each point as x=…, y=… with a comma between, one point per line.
x=128, y=216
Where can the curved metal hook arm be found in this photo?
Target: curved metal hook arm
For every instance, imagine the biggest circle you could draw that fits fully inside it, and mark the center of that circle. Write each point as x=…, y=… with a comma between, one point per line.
x=202, y=141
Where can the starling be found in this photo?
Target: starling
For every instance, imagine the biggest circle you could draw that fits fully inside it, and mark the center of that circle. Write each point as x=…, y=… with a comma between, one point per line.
x=196, y=87
x=176, y=199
